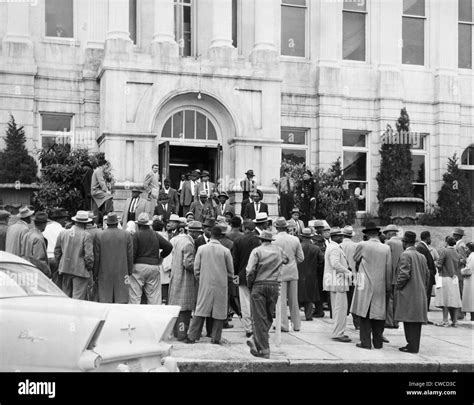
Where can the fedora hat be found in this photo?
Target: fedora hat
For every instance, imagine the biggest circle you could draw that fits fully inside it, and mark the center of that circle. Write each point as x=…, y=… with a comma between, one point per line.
x=174, y=218
x=112, y=218
x=209, y=223
x=58, y=213
x=281, y=223
x=371, y=226
x=295, y=211
x=307, y=233
x=4, y=214
x=189, y=213
x=25, y=212
x=203, y=193
x=391, y=228
x=223, y=194
x=136, y=190
x=261, y=218
x=348, y=231
x=318, y=223
x=266, y=235
x=250, y=173
x=224, y=227
x=335, y=232
x=409, y=237
x=197, y=171
x=248, y=224
x=183, y=220
x=82, y=217
x=205, y=173
x=144, y=219
x=458, y=231
x=195, y=226
x=40, y=217
x=291, y=224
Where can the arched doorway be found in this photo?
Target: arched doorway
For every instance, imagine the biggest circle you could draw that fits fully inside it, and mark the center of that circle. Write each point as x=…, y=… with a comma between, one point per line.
x=467, y=165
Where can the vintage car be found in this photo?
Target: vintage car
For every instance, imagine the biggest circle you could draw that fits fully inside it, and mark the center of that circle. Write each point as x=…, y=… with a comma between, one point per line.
x=41, y=329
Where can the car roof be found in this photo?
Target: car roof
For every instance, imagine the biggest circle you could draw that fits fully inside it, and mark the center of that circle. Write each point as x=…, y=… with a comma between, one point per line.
x=6, y=257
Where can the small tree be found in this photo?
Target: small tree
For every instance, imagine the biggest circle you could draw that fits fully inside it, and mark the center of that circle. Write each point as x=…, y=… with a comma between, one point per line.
x=453, y=199
x=395, y=178
x=15, y=162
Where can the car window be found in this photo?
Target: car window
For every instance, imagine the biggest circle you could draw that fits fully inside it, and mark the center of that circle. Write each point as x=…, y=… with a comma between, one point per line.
x=20, y=280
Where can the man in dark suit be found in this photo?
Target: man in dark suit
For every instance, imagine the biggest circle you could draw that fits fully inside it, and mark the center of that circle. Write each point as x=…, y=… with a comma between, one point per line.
x=206, y=236
x=423, y=248
x=172, y=194
x=223, y=206
x=248, y=186
x=134, y=206
x=253, y=208
x=188, y=192
x=165, y=207
x=206, y=185
x=203, y=208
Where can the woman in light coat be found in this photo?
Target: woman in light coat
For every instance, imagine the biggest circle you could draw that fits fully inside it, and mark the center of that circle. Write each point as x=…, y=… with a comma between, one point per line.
x=468, y=290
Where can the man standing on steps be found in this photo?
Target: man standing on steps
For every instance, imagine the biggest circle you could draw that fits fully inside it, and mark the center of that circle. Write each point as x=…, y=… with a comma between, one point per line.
x=248, y=186
x=286, y=189
x=423, y=247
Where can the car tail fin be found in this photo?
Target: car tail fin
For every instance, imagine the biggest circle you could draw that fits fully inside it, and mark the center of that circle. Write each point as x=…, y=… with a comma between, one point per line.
x=169, y=329
x=95, y=335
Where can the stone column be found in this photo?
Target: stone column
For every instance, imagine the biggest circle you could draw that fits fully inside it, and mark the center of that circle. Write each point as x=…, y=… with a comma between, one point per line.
x=97, y=20
x=164, y=46
x=17, y=42
x=118, y=34
x=221, y=48
x=264, y=50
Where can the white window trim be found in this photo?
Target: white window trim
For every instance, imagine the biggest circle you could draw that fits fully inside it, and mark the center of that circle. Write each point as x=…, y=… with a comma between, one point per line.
x=55, y=134
x=194, y=43
x=307, y=35
x=426, y=48
x=306, y=145
x=362, y=149
x=61, y=40
x=424, y=152
x=367, y=35
x=471, y=23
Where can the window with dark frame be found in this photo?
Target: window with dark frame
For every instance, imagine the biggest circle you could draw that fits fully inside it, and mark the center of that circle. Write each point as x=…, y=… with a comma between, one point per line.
x=418, y=165
x=413, y=32
x=235, y=21
x=55, y=129
x=293, y=28
x=183, y=27
x=189, y=125
x=132, y=20
x=59, y=18
x=465, y=27
x=354, y=32
x=294, y=150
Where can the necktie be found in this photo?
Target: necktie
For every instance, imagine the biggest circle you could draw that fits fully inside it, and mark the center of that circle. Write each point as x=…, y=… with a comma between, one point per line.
x=165, y=207
x=222, y=209
x=205, y=188
x=133, y=205
x=257, y=208
x=288, y=184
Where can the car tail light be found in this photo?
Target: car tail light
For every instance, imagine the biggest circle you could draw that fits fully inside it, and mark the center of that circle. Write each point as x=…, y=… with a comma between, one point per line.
x=89, y=360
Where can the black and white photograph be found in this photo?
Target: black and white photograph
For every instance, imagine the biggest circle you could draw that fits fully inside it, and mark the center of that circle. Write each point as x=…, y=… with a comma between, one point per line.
x=237, y=186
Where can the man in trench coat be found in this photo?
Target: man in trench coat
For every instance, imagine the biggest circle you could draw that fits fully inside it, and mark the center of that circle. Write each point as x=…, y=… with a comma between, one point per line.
x=372, y=284
x=411, y=297
x=213, y=269
x=113, y=262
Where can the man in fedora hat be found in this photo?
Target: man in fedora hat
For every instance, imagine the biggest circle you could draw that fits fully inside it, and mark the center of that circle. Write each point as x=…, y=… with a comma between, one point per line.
x=223, y=207
x=16, y=234
x=248, y=186
x=308, y=272
x=286, y=190
x=113, y=262
x=411, y=299
x=35, y=244
x=172, y=194
x=261, y=222
x=206, y=185
x=183, y=285
x=461, y=248
x=74, y=252
x=164, y=208
x=206, y=236
x=172, y=226
x=4, y=217
x=236, y=226
x=56, y=224
x=372, y=285
x=188, y=191
x=396, y=249
x=263, y=279
x=299, y=224
x=241, y=250
x=213, y=269
x=348, y=246
x=149, y=248
x=134, y=206
x=256, y=206
x=203, y=208
x=337, y=279
x=307, y=192
x=289, y=275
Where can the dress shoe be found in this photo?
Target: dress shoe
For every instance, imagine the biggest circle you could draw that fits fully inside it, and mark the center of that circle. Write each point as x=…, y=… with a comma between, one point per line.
x=363, y=347
x=321, y=315
x=227, y=326
x=216, y=342
x=430, y=323
x=343, y=339
x=189, y=341
x=406, y=350
x=253, y=347
x=385, y=340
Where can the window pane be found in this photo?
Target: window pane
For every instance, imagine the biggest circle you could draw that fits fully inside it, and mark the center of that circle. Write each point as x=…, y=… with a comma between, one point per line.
x=419, y=142
x=414, y=7
x=293, y=137
x=294, y=156
x=465, y=10
x=293, y=31
x=132, y=20
x=358, y=190
x=419, y=192
x=465, y=46
x=295, y=2
x=183, y=29
x=189, y=124
x=166, y=133
x=59, y=18
x=234, y=23
x=350, y=138
x=211, y=131
x=413, y=41
x=355, y=166
x=354, y=36
x=56, y=122
x=354, y=5
x=187, y=30
x=200, y=126
x=178, y=125
x=418, y=168
x=467, y=157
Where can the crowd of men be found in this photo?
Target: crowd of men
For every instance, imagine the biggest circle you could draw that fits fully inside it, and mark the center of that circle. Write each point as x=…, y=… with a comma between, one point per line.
x=215, y=264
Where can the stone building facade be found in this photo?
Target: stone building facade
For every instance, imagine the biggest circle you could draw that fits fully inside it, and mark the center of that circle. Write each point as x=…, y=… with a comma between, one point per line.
x=231, y=85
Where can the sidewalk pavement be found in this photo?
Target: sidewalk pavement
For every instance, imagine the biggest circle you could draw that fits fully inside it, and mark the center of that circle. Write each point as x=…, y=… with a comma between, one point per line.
x=312, y=350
